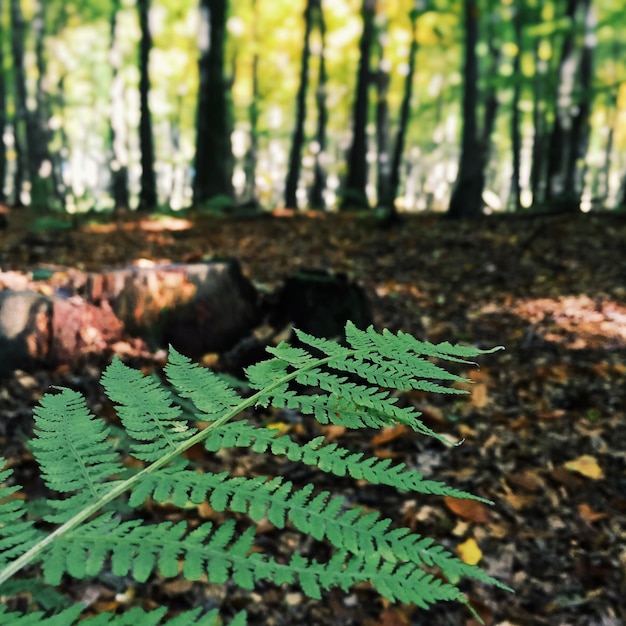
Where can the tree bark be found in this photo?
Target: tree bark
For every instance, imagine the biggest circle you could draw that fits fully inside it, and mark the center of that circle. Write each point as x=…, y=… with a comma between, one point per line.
x=466, y=200
x=147, y=192
x=214, y=158
x=355, y=194
x=297, y=140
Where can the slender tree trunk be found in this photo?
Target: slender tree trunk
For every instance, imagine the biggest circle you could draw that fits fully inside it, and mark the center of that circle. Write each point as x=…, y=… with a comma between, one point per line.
x=21, y=123
x=491, y=96
x=516, y=140
x=297, y=140
x=3, y=111
x=382, y=120
x=403, y=122
x=118, y=163
x=558, y=146
x=355, y=194
x=580, y=124
x=466, y=200
x=250, y=160
x=214, y=157
x=316, y=199
x=147, y=192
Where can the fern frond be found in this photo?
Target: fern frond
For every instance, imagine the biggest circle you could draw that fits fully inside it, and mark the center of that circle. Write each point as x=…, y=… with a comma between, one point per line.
x=331, y=458
x=321, y=516
x=146, y=410
x=132, y=617
x=17, y=534
x=74, y=452
x=210, y=393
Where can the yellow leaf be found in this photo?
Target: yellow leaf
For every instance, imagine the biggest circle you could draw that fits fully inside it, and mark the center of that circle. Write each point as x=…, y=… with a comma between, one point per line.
x=469, y=552
x=587, y=466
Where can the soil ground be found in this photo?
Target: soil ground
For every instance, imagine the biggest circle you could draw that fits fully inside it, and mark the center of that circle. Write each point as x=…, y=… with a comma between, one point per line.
x=544, y=424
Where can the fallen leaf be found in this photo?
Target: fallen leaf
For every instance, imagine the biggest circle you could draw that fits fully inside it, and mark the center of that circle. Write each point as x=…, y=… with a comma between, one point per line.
x=471, y=510
x=587, y=466
x=479, y=395
x=527, y=480
x=469, y=552
x=389, y=434
x=332, y=432
x=588, y=514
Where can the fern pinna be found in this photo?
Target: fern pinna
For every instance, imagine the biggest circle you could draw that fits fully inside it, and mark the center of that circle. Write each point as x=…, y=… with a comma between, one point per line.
x=345, y=385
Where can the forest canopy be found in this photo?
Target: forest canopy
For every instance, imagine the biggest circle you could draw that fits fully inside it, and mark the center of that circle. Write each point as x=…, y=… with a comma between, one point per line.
x=469, y=106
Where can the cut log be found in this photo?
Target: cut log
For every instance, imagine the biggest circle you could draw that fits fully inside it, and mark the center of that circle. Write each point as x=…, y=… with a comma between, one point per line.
x=320, y=303
x=25, y=332
x=198, y=308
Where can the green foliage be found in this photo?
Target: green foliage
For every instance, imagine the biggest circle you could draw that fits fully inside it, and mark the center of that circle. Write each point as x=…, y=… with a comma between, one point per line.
x=346, y=385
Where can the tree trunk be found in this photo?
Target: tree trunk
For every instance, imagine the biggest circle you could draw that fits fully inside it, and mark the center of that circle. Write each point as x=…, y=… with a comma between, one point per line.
x=466, y=200
x=491, y=97
x=297, y=140
x=558, y=146
x=147, y=193
x=250, y=160
x=580, y=124
x=382, y=120
x=316, y=199
x=214, y=157
x=117, y=126
x=3, y=111
x=516, y=140
x=21, y=124
x=354, y=192
x=403, y=122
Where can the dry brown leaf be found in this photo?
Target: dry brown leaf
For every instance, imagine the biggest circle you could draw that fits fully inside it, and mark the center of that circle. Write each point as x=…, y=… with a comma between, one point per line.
x=394, y=617
x=527, y=480
x=586, y=465
x=389, y=434
x=471, y=510
x=332, y=431
x=480, y=398
x=588, y=514
x=519, y=502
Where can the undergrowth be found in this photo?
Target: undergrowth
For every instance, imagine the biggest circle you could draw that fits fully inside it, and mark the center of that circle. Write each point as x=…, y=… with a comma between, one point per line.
x=92, y=525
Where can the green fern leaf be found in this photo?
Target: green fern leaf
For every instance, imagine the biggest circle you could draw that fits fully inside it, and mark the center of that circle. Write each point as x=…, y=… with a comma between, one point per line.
x=146, y=410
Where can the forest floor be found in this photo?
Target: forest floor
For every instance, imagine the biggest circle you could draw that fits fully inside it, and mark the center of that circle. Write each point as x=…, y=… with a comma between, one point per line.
x=544, y=425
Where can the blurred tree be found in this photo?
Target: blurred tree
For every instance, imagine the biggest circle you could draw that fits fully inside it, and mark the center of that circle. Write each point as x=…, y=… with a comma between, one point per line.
x=354, y=188
x=466, y=200
x=382, y=79
x=251, y=157
x=316, y=197
x=118, y=158
x=297, y=139
x=405, y=116
x=147, y=192
x=22, y=127
x=214, y=157
x=569, y=136
x=3, y=111
x=516, y=139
